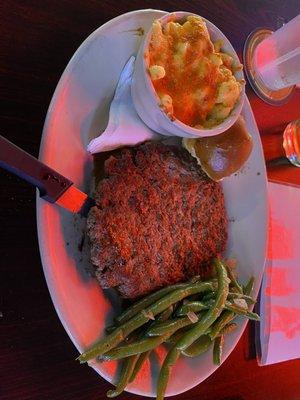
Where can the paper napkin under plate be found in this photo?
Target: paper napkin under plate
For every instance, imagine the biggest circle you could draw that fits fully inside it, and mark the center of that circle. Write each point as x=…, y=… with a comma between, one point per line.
x=279, y=331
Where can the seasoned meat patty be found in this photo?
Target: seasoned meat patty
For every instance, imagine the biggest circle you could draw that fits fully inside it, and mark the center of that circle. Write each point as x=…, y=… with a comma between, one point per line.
x=158, y=220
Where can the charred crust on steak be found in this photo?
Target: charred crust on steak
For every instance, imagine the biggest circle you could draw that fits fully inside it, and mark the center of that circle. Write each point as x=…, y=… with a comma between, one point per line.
x=158, y=220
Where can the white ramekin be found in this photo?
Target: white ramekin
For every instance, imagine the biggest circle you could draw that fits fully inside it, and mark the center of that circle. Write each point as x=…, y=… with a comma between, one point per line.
x=147, y=102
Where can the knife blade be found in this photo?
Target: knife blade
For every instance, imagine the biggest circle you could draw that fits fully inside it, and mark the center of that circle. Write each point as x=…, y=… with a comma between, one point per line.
x=53, y=187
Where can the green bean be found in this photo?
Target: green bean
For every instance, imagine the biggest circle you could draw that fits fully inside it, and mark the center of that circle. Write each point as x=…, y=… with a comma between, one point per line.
x=228, y=328
x=176, y=336
x=143, y=356
x=164, y=315
x=138, y=365
x=147, y=301
x=126, y=373
x=249, y=299
x=211, y=315
x=218, y=349
x=179, y=294
x=204, y=342
x=231, y=295
x=242, y=311
x=220, y=323
x=249, y=286
x=199, y=347
x=112, y=340
x=239, y=310
x=207, y=302
x=164, y=327
x=233, y=280
x=137, y=347
x=208, y=296
x=164, y=373
x=158, y=334
x=144, y=344
x=194, y=306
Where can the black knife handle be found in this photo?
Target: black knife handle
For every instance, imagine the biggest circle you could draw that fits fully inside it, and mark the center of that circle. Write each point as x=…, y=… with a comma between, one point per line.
x=49, y=182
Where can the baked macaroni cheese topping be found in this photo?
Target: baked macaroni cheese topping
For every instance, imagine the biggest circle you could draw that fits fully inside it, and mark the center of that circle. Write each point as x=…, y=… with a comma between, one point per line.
x=192, y=77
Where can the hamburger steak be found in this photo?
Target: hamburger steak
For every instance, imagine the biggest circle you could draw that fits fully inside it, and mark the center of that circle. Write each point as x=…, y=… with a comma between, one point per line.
x=158, y=220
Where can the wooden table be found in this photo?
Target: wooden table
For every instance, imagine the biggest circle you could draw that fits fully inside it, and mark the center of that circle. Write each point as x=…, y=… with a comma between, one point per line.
x=37, y=38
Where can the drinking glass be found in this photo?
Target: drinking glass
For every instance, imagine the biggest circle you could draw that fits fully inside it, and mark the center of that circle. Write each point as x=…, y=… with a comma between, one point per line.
x=272, y=61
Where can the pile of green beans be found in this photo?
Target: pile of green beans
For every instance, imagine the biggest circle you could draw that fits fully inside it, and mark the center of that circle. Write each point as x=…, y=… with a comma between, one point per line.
x=190, y=317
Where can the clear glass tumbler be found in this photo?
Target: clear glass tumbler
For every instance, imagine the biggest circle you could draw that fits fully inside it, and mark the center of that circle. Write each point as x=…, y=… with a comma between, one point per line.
x=272, y=61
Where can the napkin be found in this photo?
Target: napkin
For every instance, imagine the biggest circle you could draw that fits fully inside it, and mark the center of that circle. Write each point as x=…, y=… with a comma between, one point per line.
x=125, y=128
x=279, y=331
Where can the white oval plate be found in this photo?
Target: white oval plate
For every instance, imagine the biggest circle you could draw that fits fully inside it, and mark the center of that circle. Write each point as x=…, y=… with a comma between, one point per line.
x=77, y=113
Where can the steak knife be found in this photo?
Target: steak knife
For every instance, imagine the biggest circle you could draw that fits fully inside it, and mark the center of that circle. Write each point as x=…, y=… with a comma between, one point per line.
x=53, y=187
